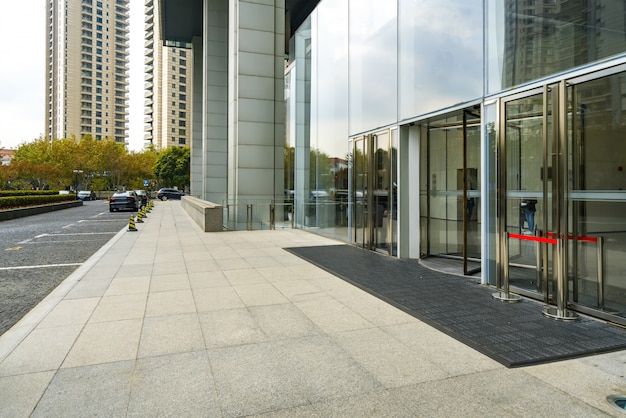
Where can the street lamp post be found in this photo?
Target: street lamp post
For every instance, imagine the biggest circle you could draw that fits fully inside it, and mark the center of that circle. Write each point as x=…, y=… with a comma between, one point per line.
x=76, y=172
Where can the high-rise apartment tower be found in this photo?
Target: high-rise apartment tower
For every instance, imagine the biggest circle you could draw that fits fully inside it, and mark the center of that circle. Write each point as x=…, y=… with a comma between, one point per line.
x=87, y=69
x=167, y=104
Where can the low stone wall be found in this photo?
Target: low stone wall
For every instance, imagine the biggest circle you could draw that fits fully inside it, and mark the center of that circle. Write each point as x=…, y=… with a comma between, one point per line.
x=206, y=214
x=5, y=215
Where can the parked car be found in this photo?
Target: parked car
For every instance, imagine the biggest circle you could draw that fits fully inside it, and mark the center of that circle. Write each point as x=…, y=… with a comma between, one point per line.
x=144, y=195
x=87, y=195
x=168, y=193
x=124, y=200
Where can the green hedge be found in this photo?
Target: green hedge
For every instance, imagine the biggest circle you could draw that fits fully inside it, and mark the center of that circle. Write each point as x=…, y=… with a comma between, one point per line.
x=7, y=202
x=6, y=193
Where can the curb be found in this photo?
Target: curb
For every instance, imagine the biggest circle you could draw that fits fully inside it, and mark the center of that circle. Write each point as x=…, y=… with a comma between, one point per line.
x=18, y=332
x=6, y=215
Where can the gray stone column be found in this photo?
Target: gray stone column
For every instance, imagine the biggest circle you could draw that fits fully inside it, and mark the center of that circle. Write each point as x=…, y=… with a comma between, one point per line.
x=215, y=101
x=256, y=100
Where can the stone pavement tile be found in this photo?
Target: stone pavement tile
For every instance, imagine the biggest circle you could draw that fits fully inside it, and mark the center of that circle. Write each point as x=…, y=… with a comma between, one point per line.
x=376, y=311
x=332, y=316
x=283, y=321
x=177, y=385
x=207, y=279
x=171, y=267
x=298, y=290
x=449, y=354
x=171, y=334
x=169, y=255
x=262, y=261
x=216, y=298
x=196, y=252
x=286, y=259
x=28, y=356
x=497, y=393
x=201, y=266
x=135, y=270
x=232, y=263
x=70, y=312
x=244, y=276
x=103, y=270
x=391, y=362
x=104, y=342
x=223, y=253
x=259, y=294
x=118, y=307
x=173, y=281
x=171, y=302
x=230, y=327
x=310, y=271
x=20, y=394
x=249, y=252
x=258, y=378
x=590, y=379
x=97, y=390
x=89, y=289
x=277, y=273
x=384, y=403
x=128, y=286
x=336, y=287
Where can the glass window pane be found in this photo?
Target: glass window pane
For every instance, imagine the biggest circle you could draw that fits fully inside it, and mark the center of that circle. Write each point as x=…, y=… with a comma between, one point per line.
x=438, y=66
x=373, y=64
x=527, y=40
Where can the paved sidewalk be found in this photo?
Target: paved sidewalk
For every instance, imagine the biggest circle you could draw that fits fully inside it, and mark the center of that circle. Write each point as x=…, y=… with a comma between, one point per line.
x=172, y=321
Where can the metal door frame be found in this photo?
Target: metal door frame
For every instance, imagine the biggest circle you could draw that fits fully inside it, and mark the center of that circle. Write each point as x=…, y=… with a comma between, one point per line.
x=369, y=228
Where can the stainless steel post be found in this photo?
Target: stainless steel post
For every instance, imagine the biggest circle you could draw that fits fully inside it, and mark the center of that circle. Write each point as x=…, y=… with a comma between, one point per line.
x=249, y=217
x=600, y=258
x=504, y=295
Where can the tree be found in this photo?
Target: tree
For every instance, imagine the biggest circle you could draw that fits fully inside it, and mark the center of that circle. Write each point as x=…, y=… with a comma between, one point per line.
x=172, y=167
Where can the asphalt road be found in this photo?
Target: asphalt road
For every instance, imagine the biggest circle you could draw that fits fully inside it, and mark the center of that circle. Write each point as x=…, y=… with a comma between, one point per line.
x=38, y=252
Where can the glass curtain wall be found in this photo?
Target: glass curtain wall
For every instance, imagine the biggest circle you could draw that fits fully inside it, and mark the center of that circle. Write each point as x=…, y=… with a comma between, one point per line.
x=439, y=67
x=528, y=40
x=597, y=194
x=320, y=152
x=373, y=64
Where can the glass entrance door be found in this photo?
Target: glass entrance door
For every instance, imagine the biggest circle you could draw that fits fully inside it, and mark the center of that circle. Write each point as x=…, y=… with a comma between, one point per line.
x=375, y=192
x=526, y=175
x=562, y=202
x=450, y=188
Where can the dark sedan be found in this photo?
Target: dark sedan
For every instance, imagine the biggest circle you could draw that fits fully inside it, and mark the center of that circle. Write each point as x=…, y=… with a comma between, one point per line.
x=144, y=195
x=124, y=200
x=168, y=193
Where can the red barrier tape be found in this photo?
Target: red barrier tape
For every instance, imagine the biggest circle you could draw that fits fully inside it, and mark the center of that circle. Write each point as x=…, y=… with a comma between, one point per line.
x=585, y=239
x=534, y=238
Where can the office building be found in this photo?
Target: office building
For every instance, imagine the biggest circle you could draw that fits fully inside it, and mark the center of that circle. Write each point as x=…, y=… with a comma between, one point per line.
x=167, y=105
x=426, y=130
x=87, y=69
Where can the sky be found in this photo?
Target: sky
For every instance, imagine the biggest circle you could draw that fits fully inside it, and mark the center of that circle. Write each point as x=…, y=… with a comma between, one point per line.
x=22, y=71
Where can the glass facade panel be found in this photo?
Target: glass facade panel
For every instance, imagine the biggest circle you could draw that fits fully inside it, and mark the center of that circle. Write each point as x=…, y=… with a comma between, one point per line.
x=439, y=67
x=597, y=196
x=373, y=64
x=317, y=162
x=529, y=40
x=490, y=123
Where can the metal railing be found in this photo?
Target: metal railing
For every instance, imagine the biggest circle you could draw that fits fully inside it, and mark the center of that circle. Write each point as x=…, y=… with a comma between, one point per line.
x=257, y=215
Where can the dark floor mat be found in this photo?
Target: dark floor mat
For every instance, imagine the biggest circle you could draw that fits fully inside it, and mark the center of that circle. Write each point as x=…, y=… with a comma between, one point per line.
x=514, y=334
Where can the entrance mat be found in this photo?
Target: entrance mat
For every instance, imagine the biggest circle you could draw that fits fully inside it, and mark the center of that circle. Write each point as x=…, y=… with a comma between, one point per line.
x=514, y=334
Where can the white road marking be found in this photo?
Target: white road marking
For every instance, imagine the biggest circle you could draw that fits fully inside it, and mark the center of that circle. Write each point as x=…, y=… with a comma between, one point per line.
x=82, y=233
x=39, y=267
x=99, y=220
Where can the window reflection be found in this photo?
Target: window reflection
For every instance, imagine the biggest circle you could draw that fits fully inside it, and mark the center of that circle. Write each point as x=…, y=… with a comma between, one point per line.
x=528, y=40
